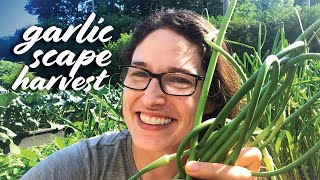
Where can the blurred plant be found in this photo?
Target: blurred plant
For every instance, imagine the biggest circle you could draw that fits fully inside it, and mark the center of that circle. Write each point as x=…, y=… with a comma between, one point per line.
x=9, y=72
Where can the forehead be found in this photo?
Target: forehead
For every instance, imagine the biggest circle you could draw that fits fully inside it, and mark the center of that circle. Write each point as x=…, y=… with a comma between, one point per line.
x=164, y=49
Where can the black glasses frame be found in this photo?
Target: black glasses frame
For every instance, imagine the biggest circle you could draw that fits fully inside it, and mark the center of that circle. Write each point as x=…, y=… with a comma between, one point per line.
x=159, y=76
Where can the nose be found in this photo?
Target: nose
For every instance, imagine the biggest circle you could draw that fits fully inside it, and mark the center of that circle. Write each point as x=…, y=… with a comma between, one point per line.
x=153, y=95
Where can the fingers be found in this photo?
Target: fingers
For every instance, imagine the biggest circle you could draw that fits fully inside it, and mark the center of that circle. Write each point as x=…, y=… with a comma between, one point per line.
x=250, y=158
x=204, y=170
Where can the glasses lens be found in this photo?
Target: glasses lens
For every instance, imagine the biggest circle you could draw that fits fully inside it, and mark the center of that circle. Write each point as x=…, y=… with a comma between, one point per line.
x=134, y=78
x=178, y=83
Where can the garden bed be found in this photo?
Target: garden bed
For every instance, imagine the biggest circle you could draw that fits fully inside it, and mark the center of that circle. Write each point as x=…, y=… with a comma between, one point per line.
x=34, y=138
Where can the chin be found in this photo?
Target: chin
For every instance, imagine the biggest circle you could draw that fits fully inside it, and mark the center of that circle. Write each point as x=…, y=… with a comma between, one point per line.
x=154, y=144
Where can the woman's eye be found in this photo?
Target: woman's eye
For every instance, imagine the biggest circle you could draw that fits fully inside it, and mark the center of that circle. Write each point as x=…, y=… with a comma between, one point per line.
x=140, y=74
x=180, y=80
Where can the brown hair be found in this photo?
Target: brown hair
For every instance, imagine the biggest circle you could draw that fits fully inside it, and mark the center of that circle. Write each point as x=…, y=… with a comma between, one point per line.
x=193, y=27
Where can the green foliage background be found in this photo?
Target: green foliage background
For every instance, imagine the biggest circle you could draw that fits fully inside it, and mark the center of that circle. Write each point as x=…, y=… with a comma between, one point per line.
x=9, y=72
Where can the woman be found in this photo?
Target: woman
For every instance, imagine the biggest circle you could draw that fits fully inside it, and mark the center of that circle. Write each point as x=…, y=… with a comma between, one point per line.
x=166, y=61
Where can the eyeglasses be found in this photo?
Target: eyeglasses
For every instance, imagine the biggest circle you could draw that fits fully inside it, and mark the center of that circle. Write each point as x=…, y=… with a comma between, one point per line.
x=172, y=83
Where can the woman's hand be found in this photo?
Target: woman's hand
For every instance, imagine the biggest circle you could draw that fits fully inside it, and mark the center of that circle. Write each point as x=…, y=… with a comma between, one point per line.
x=249, y=160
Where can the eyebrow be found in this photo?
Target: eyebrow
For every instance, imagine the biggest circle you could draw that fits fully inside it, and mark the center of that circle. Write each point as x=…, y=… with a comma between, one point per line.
x=171, y=69
x=139, y=63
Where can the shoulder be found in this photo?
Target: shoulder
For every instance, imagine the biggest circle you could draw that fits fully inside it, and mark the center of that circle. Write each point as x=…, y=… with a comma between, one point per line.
x=89, y=158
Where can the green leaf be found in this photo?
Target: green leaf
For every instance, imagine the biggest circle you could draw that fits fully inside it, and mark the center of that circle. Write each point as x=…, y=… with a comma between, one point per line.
x=59, y=142
x=279, y=140
x=32, y=163
x=26, y=153
x=14, y=149
x=6, y=99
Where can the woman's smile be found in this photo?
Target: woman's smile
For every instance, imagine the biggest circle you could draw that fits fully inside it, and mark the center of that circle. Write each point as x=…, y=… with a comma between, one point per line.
x=153, y=123
x=154, y=120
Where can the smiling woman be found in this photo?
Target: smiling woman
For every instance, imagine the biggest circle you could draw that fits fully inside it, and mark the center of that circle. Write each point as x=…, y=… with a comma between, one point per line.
x=163, y=71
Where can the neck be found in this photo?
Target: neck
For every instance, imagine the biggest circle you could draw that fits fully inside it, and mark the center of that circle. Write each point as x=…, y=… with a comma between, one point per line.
x=143, y=157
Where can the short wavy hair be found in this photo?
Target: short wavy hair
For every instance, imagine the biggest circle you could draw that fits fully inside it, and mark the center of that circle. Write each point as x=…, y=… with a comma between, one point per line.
x=193, y=27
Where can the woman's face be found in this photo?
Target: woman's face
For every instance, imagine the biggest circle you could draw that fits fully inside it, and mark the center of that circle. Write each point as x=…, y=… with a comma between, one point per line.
x=162, y=51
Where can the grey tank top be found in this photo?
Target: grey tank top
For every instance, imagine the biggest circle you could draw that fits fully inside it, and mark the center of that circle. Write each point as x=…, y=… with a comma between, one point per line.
x=108, y=156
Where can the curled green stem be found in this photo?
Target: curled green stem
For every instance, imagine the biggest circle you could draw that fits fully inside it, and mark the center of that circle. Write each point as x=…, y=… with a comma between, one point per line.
x=162, y=161
x=294, y=164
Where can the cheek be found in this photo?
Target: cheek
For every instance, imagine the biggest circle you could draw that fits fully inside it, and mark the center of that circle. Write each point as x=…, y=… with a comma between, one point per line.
x=196, y=98
x=188, y=108
x=128, y=95
x=193, y=105
x=127, y=101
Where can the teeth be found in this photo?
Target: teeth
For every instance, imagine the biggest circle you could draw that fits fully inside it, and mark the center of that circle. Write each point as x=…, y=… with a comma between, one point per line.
x=153, y=120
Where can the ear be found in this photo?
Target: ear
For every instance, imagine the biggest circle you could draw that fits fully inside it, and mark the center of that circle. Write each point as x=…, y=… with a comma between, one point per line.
x=210, y=107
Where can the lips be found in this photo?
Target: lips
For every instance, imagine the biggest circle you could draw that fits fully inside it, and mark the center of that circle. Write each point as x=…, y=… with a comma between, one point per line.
x=154, y=120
